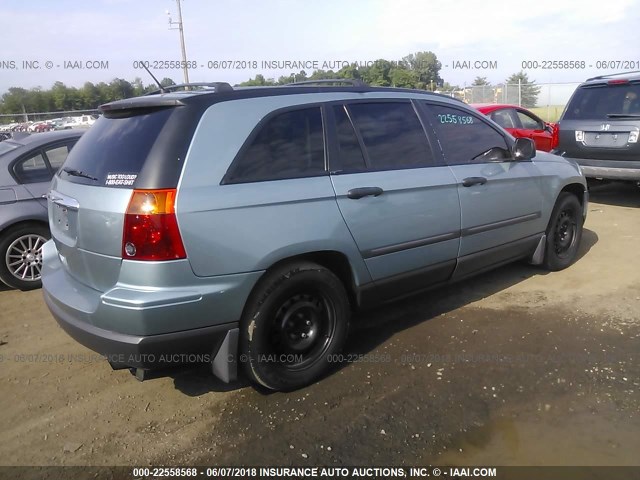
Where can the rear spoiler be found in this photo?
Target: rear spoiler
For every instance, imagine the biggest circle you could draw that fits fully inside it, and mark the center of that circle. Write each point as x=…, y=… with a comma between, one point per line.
x=137, y=106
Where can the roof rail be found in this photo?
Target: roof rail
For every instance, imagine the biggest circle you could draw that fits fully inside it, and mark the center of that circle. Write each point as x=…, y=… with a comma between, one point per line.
x=218, y=86
x=351, y=81
x=611, y=75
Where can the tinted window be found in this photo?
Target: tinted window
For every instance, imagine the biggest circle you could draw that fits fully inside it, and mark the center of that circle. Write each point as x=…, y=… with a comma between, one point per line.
x=349, y=151
x=503, y=118
x=466, y=138
x=57, y=156
x=392, y=134
x=115, y=147
x=289, y=145
x=528, y=122
x=32, y=169
x=598, y=102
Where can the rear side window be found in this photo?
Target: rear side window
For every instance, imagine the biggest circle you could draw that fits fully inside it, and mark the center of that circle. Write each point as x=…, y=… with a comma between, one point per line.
x=57, y=155
x=392, y=134
x=465, y=138
x=32, y=169
x=599, y=103
x=349, y=151
x=114, y=150
x=289, y=145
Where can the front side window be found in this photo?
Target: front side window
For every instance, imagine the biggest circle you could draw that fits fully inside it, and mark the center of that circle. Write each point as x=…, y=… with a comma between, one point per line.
x=289, y=145
x=528, y=122
x=465, y=138
x=392, y=134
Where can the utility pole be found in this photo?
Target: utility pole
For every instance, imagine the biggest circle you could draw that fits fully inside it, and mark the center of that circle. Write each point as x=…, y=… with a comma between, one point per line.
x=185, y=70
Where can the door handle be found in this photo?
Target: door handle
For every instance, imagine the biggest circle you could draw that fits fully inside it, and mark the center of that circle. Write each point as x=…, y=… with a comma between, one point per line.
x=469, y=181
x=360, y=192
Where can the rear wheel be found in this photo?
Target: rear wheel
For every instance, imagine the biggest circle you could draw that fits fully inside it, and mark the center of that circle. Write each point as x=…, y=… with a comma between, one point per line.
x=297, y=317
x=563, y=233
x=21, y=256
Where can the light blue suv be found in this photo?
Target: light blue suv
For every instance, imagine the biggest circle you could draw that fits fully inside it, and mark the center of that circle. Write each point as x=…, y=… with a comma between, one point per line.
x=244, y=226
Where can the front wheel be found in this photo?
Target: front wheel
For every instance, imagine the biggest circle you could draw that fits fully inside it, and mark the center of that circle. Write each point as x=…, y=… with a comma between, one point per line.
x=563, y=233
x=294, y=321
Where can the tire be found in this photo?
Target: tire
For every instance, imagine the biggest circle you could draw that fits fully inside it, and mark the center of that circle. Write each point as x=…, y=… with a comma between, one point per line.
x=563, y=233
x=21, y=256
x=296, y=318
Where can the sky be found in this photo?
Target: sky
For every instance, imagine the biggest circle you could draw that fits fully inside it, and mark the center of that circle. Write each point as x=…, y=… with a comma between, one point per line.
x=112, y=34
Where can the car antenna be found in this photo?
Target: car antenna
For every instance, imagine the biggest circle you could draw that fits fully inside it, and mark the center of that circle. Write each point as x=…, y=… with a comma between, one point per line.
x=162, y=90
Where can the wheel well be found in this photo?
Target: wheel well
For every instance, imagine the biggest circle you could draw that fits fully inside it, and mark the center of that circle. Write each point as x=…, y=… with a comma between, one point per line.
x=15, y=226
x=335, y=261
x=575, y=189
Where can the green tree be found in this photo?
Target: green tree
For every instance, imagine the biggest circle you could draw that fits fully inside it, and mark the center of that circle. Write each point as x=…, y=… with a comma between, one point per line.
x=480, y=81
x=481, y=91
x=90, y=95
x=529, y=91
x=426, y=68
x=403, y=78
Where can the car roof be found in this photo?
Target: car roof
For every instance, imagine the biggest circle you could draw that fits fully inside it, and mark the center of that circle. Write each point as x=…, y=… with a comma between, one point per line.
x=614, y=78
x=211, y=96
x=36, y=139
x=492, y=107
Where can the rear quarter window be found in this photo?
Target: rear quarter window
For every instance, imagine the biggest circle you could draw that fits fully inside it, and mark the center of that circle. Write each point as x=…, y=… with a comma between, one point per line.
x=288, y=145
x=114, y=150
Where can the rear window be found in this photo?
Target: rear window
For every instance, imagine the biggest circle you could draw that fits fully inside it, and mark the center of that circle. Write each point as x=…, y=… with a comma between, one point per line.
x=600, y=102
x=114, y=150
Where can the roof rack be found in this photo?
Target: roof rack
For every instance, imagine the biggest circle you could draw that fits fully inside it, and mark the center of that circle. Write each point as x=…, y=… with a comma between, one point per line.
x=611, y=75
x=351, y=81
x=218, y=86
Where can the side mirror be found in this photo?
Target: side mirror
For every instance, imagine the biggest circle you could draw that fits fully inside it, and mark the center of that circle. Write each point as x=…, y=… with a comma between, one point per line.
x=524, y=149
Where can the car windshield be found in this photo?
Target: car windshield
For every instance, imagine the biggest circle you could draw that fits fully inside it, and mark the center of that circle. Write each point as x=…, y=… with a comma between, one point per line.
x=605, y=101
x=7, y=147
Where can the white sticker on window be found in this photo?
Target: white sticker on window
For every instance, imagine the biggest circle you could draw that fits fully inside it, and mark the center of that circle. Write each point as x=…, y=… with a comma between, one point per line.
x=120, y=179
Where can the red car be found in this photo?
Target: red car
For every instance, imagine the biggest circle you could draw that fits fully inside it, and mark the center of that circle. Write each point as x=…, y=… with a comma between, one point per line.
x=520, y=122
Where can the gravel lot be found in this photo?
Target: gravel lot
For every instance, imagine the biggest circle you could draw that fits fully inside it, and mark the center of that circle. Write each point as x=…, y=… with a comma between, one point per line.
x=515, y=367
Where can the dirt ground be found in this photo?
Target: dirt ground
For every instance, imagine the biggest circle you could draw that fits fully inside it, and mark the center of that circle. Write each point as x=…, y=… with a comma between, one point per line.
x=515, y=367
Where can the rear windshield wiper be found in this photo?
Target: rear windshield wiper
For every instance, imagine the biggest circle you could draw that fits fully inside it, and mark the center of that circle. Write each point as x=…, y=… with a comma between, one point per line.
x=78, y=173
x=623, y=115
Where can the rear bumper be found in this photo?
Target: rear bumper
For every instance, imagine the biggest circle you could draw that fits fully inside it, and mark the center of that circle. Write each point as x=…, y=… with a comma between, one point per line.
x=609, y=169
x=152, y=351
x=143, y=327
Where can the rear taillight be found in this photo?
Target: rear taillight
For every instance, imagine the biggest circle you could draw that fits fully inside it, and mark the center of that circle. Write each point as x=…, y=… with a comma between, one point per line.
x=150, y=227
x=555, y=135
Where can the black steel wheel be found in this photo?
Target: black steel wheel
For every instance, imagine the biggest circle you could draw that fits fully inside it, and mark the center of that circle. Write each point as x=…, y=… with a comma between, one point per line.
x=296, y=318
x=563, y=233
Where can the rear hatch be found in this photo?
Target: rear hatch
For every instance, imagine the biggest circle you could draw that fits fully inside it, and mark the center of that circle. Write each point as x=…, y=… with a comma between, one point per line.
x=602, y=121
x=134, y=145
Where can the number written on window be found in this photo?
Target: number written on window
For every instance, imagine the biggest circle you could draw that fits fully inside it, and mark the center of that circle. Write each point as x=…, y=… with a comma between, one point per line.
x=455, y=119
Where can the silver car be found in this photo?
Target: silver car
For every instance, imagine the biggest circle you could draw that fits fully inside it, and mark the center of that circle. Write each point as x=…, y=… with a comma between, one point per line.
x=244, y=226
x=27, y=164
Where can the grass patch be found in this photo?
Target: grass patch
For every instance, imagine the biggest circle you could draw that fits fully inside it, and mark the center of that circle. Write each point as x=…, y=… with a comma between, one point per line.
x=550, y=113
